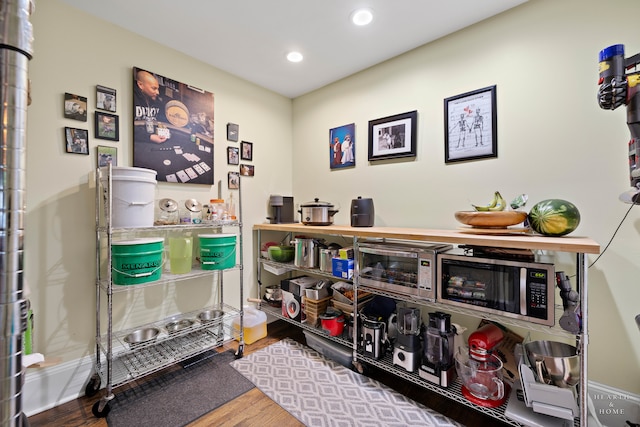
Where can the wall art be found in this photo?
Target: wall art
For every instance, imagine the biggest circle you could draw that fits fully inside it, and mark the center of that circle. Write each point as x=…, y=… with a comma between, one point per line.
x=106, y=126
x=234, y=180
x=232, y=132
x=470, y=126
x=342, y=146
x=246, y=152
x=105, y=98
x=107, y=155
x=172, y=129
x=233, y=155
x=76, y=140
x=75, y=107
x=247, y=170
x=393, y=137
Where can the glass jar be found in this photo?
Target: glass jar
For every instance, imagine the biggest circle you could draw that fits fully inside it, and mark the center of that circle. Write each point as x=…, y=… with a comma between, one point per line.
x=166, y=212
x=192, y=212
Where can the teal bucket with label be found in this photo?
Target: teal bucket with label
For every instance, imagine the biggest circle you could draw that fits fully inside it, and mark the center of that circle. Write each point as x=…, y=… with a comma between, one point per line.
x=217, y=251
x=136, y=261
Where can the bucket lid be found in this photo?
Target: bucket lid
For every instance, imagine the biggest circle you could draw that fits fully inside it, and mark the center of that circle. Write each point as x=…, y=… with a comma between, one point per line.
x=193, y=205
x=316, y=203
x=168, y=205
x=139, y=241
x=216, y=235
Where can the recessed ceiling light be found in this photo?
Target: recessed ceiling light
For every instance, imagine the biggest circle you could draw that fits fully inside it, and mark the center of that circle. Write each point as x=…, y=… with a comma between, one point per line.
x=362, y=17
x=294, y=56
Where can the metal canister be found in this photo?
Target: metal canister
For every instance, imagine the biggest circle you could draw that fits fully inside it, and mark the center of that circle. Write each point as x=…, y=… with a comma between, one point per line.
x=305, y=254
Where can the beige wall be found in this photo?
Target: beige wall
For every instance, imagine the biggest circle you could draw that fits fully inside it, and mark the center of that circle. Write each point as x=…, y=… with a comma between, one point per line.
x=75, y=52
x=553, y=142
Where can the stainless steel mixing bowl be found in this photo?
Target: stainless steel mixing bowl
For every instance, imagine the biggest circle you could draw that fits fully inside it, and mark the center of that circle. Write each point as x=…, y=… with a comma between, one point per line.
x=555, y=362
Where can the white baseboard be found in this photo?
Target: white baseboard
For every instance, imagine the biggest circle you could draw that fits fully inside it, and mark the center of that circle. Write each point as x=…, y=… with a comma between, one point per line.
x=46, y=388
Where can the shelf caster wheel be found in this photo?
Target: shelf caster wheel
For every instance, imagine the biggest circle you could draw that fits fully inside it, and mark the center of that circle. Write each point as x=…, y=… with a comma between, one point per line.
x=92, y=386
x=240, y=351
x=359, y=367
x=101, y=411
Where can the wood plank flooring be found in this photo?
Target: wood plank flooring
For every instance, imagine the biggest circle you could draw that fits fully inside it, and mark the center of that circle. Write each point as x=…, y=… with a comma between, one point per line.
x=254, y=408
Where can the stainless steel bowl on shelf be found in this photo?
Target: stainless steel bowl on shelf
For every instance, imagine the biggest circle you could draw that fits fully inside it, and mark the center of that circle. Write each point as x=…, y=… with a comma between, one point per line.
x=210, y=315
x=179, y=325
x=141, y=336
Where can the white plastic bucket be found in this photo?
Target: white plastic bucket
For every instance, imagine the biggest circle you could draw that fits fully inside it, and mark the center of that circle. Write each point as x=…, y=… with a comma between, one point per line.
x=132, y=195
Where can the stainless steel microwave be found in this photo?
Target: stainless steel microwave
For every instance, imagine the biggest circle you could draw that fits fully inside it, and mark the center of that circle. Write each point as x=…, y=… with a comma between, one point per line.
x=516, y=289
x=405, y=269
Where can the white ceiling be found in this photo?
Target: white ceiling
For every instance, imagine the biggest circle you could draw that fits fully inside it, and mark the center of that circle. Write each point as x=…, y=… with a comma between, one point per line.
x=250, y=38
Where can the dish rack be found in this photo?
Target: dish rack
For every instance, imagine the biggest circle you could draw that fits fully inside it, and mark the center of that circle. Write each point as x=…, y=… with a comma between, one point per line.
x=127, y=354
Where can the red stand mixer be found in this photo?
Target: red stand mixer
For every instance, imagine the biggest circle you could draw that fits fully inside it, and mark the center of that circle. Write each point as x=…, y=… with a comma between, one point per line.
x=480, y=370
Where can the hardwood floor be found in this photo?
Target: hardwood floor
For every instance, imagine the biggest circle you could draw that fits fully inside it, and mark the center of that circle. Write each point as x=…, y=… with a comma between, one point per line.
x=254, y=408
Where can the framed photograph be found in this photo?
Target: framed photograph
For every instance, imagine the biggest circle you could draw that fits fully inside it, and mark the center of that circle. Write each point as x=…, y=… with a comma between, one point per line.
x=107, y=155
x=247, y=150
x=106, y=126
x=393, y=137
x=247, y=170
x=76, y=140
x=342, y=146
x=173, y=126
x=470, y=126
x=234, y=180
x=233, y=155
x=105, y=98
x=75, y=107
x=232, y=132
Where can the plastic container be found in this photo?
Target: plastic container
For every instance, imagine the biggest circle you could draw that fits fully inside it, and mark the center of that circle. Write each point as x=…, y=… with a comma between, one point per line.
x=137, y=261
x=217, y=251
x=133, y=193
x=180, y=254
x=254, y=325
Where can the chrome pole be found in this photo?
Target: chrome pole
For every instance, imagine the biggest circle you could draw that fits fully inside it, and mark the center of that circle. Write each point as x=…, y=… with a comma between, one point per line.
x=16, y=42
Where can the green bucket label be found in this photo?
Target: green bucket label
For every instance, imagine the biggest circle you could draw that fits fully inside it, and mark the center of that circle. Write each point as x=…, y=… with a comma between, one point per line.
x=139, y=265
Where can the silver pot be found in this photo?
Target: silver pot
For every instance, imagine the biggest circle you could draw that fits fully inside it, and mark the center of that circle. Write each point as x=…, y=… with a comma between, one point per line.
x=305, y=254
x=317, y=213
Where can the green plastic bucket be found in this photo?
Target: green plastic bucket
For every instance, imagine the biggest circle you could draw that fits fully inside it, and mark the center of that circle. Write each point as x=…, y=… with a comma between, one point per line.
x=136, y=261
x=217, y=251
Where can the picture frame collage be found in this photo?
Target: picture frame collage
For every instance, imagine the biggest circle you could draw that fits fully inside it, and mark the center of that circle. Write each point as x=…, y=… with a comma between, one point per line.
x=106, y=125
x=237, y=154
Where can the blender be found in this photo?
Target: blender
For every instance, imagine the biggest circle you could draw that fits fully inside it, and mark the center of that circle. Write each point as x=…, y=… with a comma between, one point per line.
x=408, y=349
x=438, y=365
x=480, y=370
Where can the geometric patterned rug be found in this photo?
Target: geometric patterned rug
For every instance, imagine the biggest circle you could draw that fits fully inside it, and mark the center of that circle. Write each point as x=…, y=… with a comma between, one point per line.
x=320, y=392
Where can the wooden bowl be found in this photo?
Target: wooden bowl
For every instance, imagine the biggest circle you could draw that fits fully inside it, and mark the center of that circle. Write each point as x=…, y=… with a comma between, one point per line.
x=498, y=219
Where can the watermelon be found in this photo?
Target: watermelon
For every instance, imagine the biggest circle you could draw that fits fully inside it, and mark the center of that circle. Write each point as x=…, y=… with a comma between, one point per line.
x=554, y=217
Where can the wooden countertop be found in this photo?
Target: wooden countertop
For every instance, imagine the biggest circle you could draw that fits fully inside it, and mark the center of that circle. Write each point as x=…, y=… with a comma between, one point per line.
x=520, y=241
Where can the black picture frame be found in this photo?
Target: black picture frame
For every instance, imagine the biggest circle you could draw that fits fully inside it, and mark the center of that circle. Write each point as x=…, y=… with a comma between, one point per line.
x=246, y=150
x=105, y=98
x=393, y=136
x=233, y=156
x=247, y=170
x=107, y=155
x=470, y=126
x=106, y=126
x=76, y=140
x=232, y=132
x=75, y=107
x=233, y=180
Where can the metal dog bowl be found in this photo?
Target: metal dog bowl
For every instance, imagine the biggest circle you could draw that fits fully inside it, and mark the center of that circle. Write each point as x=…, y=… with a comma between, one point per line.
x=179, y=325
x=210, y=315
x=141, y=336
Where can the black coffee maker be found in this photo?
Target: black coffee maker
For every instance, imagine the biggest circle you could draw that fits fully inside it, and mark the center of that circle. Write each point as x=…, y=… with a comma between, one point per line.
x=281, y=209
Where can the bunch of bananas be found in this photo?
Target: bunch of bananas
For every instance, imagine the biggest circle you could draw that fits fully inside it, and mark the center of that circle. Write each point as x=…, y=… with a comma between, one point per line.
x=497, y=204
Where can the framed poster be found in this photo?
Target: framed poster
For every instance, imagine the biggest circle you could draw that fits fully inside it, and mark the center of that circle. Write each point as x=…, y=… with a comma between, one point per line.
x=76, y=140
x=106, y=126
x=172, y=129
x=75, y=107
x=393, y=136
x=342, y=146
x=470, y=124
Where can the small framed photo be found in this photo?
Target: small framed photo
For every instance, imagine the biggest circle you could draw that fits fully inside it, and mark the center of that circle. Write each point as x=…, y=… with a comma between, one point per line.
x=247, y=170
x=232, y=132
x=234, y=180
x=75, y=107
x=107, y=156
x=342, y=141
x=106, y=126
x=233, y=155
x=77, y=140
x=393, y=137
x=246, y=152
x=470, y=126
x=105, y=98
